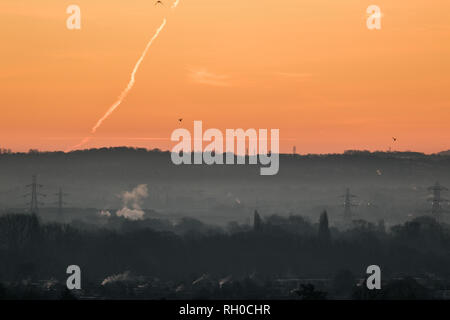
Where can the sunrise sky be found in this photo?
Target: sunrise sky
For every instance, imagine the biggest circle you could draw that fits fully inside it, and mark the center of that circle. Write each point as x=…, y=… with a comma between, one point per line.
x=308, y=67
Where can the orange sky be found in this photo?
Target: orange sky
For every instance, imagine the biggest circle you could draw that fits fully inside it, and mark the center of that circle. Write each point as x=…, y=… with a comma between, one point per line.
x=310, y=68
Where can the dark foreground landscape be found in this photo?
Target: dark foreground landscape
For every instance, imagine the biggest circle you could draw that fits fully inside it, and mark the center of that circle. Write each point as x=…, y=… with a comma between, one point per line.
x=142, y=233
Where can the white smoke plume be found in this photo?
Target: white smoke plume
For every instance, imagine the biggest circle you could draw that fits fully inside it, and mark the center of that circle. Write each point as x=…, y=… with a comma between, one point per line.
x=49, y=284
x=132, y=214
x=105, y=213
x=203, y=277
x=132, y=202
x=225, y=280
x=117, y=278
x=180, y=288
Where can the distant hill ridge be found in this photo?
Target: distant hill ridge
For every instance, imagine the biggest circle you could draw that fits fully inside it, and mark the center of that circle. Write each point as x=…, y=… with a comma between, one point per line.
x=124, y=149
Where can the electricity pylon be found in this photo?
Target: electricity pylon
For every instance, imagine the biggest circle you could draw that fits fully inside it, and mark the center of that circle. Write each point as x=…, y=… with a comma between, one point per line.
x=60, y=202
x=34, y=203
x=436, y=200
x=348, y=204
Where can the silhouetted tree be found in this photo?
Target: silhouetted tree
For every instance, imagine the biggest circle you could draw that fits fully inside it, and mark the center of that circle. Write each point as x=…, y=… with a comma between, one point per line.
x=398, y=289
x=66, y=294
x=343, y=282
x=257, y=222
x=308, y=292
x=3, y=292
x=405, y=289
x=324, y=230
x=381, y=226
x=19, y=230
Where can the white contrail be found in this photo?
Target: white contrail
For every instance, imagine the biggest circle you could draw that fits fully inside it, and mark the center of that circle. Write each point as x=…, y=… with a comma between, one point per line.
x=82, y=142
x=129, y=86
x=124, y=92
x=175, y=4
x=132, y=80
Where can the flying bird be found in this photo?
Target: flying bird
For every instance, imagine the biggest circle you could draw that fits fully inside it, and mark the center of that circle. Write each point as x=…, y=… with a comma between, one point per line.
x=179, y=120
x=159, y=2
x=395, y=139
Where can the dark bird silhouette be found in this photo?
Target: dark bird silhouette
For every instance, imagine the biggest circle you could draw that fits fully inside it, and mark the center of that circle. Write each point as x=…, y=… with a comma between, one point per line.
x=179, y=120
x=395, y=139
x=159, y=2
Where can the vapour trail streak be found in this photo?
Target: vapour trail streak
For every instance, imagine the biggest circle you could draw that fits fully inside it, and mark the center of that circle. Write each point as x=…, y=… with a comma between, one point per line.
x=175, y=4
x=132, y=80
x=129, y=86
x=124, y=92
x=82, y=142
